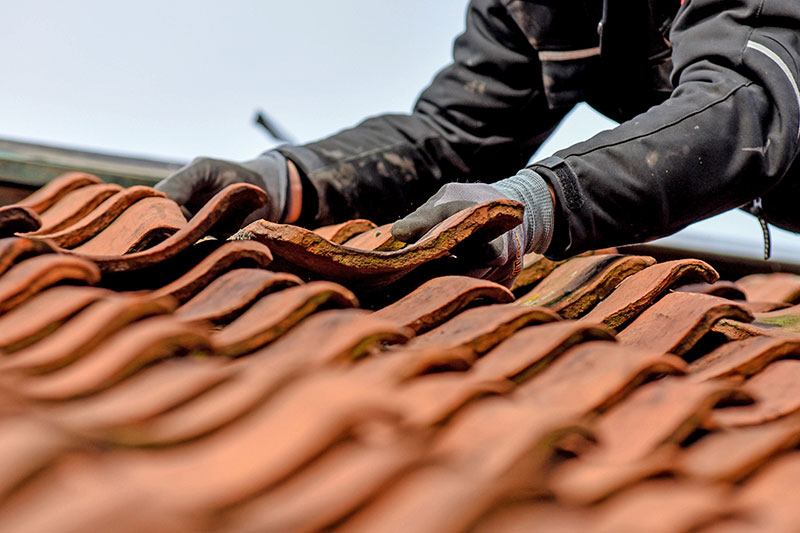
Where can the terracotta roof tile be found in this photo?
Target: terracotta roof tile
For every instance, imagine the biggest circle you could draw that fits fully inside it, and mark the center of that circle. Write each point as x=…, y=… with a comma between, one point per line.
x=676, y=322
x=15, y=219
x=576, y=286
x=86, y=227
x=202, y=386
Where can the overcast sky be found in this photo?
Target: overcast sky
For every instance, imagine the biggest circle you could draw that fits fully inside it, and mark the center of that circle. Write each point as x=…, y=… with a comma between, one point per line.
x=183, y=78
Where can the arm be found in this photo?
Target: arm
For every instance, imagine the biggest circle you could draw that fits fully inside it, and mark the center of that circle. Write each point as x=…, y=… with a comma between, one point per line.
x=480, y=119
x=728, y=133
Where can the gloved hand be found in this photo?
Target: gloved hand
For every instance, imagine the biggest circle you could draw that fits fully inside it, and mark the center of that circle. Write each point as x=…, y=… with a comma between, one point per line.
x=196, y=183
x=501, y=259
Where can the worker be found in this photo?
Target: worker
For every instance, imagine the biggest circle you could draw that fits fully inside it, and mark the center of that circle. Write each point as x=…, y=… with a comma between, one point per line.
x=706, y=92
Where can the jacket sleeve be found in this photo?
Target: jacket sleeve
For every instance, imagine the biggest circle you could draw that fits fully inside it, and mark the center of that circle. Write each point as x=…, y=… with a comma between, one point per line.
x=728, y=133
x=480, y=119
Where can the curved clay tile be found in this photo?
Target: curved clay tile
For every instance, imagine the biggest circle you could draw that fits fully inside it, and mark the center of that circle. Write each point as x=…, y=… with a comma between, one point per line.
x=15, y=219
x=74, y=206
x=530, y=350
x=775, y=391
x=769, y=497
x=14, y=249
x=300, y=421
x=677, y=321
x=775, y=287
x=535, y=267
x=340, y=233
x=682, y=505
x=307, y=250
x=232, y=293
x=724, y=289
x=604, y=372
x=222, y=259
x=146, y=221
x=733, y=329
x=327, y=490
x=640, y=290
x=735, y=453
x=743, y=358
x=272, y=316
x=117, y=357
x=400, y=363
x=99, y=219
x=378, y=240
x=519, y=516
x=56, y=189
x=84, y=332
x=146, y=394
x=222, y=214
x=38, y=317
x=352, y=333
x=483, y=327
x=676, y=407
x=576, y=286
x=37, y=273
x=438, y=299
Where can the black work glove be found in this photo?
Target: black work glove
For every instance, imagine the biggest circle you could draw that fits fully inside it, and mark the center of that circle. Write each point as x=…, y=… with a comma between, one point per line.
x=196, y=183
x=501, y=259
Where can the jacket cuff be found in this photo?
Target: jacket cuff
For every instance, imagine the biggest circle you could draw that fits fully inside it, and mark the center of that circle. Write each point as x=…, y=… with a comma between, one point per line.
x=528, y=188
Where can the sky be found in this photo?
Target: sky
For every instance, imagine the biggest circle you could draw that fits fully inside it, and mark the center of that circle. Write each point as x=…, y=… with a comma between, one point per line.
x=178, y=79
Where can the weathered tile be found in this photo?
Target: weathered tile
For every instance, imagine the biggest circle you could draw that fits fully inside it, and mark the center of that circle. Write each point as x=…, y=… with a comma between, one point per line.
x=74, y=206
x=603, y=373
x=15, y=219
x=351, y=333
x=300, y=422
x=33, y=275
x=437, y=300
x=221, y=215
x=378, y=239
x=677, y=321
x=483, y=327
x=232, y=293
x=737, y=330
x=579, y=284
x=723, y=288
x=732, y=454
x=143, y=223
x=530, y=350
x=43, y=313
x=273, y=315
x=535, y=267
x=340, y=233
x=640, y=290
x=326, y=490
x=99, y=219
x=662, y=412
x=663, y=505
x=365, y=268
x=56, y=189
x=775, y=287
x=15, y=249
x=84, y=332
x=120, y=355
x=400, y=363
x=775, y=391
x=743, y=358
x=219, y=261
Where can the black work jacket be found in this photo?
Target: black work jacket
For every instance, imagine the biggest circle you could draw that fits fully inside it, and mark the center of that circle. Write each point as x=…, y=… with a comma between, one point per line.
x=706, y=93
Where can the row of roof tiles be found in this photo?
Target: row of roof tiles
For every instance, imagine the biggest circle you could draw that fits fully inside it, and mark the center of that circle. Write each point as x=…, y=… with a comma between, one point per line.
x=296, y=380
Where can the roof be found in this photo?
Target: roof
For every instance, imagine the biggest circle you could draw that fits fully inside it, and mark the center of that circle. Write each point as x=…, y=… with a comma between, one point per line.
x=157, y=374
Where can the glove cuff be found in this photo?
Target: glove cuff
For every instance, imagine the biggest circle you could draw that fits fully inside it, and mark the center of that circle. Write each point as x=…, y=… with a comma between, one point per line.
x=271, y=166
x=528, y=188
